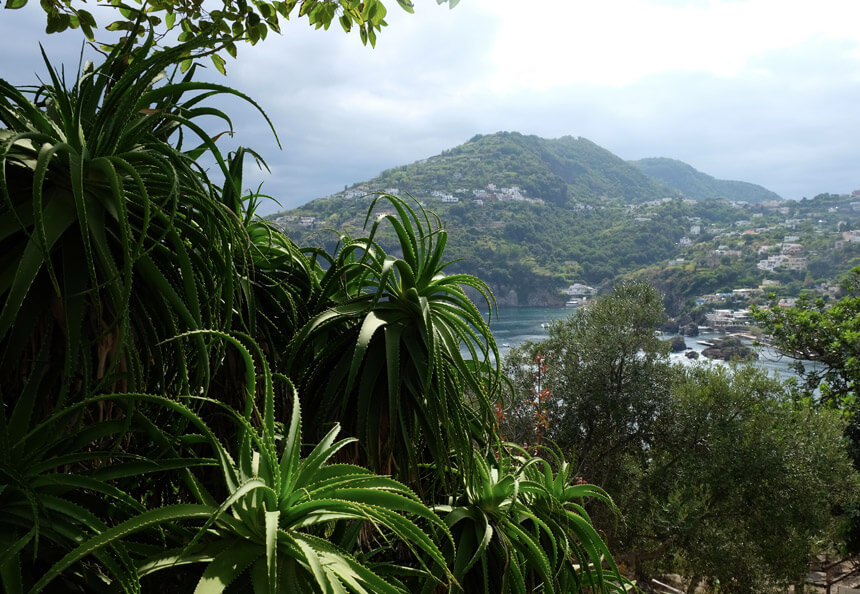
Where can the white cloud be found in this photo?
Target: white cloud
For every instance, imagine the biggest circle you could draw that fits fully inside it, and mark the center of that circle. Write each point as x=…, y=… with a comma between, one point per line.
x=555, y=43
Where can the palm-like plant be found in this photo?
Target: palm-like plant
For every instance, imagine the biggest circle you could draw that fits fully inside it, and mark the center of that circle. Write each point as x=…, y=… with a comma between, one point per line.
x=559, y=500
x=385, y=355
x=518, y=526
x=288, y=523
x=112, y=239
x=46, y=509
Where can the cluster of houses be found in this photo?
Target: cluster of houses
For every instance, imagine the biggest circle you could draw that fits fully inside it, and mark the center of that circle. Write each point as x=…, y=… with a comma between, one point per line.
x=848, y=237
x=790, y=256
x=739, y=314
x=302, y=221
x=578, y=294
x=735, y=310
x=723, y=318
x=490, y=193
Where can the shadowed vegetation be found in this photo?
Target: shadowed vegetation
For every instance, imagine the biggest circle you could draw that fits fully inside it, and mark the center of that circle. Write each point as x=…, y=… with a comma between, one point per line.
x=151, y=334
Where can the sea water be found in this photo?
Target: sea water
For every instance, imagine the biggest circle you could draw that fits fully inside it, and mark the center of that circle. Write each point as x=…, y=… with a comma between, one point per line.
x=513, y=326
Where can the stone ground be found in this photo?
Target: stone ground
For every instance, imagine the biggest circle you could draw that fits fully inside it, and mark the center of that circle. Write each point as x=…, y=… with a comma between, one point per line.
x=674, y=584
x=848, y=585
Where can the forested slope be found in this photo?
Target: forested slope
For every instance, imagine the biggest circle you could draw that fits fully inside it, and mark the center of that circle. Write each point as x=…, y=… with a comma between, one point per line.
x=701, y=186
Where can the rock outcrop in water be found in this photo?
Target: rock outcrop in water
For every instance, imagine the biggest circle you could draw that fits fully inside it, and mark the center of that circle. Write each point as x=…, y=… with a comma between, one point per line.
x=730, y=349
x=677, y=344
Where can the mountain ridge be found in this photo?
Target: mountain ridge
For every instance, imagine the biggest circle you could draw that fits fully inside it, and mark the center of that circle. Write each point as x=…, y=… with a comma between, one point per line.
x=567, y=171
x=564, y=171
x=701, y=186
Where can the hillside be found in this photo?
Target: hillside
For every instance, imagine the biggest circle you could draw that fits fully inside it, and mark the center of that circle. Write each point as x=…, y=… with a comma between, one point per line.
x=701, y=186
x=563, y=171
x=530, y=216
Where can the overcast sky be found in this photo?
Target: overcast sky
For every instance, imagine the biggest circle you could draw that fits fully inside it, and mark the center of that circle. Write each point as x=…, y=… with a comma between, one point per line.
x=764, y=91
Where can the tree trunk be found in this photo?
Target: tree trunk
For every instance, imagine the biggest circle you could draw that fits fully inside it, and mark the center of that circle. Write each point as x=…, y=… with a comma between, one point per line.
x=694, y=583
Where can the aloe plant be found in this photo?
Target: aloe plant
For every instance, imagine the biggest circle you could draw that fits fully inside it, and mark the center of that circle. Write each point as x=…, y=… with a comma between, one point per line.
x=65, y=478
x=560, y=499
x=288, y=523
x=520, y=526
x=385, y=356
x=280, y=282
x=112, y=236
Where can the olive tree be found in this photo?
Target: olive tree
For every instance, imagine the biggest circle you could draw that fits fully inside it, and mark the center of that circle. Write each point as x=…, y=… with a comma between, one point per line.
x=721, y=474
x=740, y=483
x=828, y=335
x=607, y=373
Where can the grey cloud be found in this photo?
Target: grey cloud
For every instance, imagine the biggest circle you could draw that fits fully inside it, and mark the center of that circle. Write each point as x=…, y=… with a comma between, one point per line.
x=345, y=112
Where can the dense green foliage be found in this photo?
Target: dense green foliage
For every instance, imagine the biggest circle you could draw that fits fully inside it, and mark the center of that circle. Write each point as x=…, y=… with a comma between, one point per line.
x=153, y=330
x=701, y=186
x=742, y=483
x=513, y=521
x=608, y=374
x=386, y=358
x=113, y=240
x=530, y=249
x=145, y=442
x=720, y=473
x=824, y=338
x=826, y=334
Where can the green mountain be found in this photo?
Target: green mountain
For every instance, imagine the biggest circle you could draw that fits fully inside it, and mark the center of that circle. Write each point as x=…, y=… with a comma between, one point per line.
x=701, y=186
x=531, y=216
x=563, y=171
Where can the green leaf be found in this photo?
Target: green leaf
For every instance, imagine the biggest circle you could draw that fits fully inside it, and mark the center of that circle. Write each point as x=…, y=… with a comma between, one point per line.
x=346, y=23
x=57, y=22
x=218, y=61
x=58, y=217
x=13, y=4
x=226, y=568
x=407, y=5
x=168, y=514
x=272, y=518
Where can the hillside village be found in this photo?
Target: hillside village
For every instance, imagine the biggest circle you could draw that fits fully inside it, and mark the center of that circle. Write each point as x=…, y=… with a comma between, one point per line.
x=730, y=309
x=781, y=247
x=477, y=197
x=790, y=244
